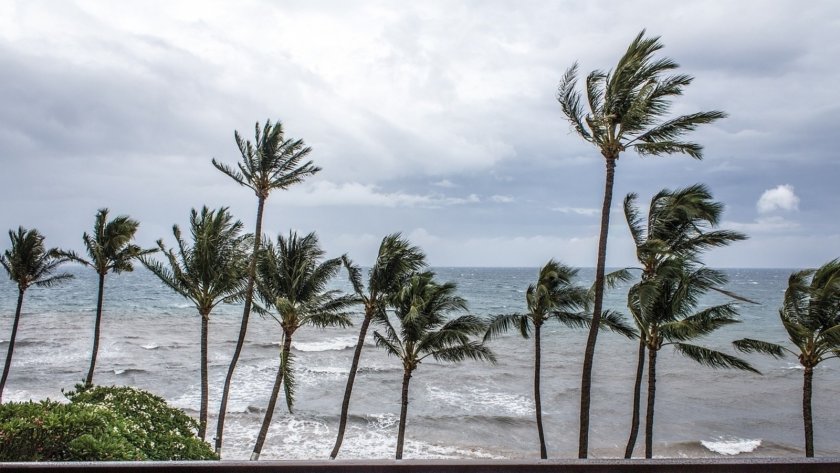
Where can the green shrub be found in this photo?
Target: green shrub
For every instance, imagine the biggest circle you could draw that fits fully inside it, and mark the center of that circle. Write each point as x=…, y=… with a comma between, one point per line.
x=99, y=423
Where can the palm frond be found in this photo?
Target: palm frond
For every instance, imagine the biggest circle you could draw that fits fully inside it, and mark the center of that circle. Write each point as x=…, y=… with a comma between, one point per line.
x=749, y=345
x=501, y=323
x=713, y=358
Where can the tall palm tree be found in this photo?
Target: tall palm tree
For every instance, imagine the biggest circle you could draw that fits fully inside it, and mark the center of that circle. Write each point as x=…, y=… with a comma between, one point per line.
x=211, y=271
x=397, y=260
x=108, y=249
x=28, y=263
x=271, y=162
x=425, y=330
x=554, y=296
x=810, y=314
x=292, y=280
x=627, y=108
x=665, y=307
x=679, y=224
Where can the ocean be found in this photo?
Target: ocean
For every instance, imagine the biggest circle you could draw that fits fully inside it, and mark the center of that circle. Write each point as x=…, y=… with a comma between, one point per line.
x=150, y=339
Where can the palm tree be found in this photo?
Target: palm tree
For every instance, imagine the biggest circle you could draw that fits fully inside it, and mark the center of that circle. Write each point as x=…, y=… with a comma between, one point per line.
x=810, y=314
x=664, y=306
x=396, y=260
x=28, y=263
x=553, y=296
x=421, y=307
x=271, y=162
x=109, y=249
x=679, y=224
x=211, y=271
x=627, y=109
x=292, y=279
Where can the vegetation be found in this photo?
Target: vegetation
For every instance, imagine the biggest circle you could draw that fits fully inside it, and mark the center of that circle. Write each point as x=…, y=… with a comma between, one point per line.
x=679, y=224
x=271, y=162
x=810, y=314
x=28, y=263
x=292, y=280
x=211, y=271
x=396, y=261
x=421, y=307
x=109, y=249
x=628, y=107
x=554, y=296
x=664, y=307
x=99, y=423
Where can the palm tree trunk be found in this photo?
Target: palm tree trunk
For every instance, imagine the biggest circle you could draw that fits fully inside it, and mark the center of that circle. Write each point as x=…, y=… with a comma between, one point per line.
x=806, y=412
x=272, y=401
x=403, y=413
x=243, y=328
x=96, y=329
x=650, y=401
x=537, y=402
x=637, y=400
x=589, y=354
x=11, y=344
x=205, y=390
x=348, y=390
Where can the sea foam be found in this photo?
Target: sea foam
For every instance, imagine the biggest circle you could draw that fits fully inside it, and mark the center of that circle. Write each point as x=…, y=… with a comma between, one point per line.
x=731, y=446
x=338, y=343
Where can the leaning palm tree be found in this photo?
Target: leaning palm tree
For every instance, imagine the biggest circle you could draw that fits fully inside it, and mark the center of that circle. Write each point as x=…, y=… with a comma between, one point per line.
x=28, y=263
x=665, y=307
x=627, y=108
x=292, y=280
x=396, y=260
x=109, y=249
x=554, y=296
x=271, y=162
x=810, y=314
x=211, y=271
x=679, y=224
x=421, y=308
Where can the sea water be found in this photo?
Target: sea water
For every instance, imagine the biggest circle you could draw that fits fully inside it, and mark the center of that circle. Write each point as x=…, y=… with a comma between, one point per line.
x=150, y=339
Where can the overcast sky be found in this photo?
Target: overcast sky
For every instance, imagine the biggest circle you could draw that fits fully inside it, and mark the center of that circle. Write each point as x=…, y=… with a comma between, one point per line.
x=434, y=119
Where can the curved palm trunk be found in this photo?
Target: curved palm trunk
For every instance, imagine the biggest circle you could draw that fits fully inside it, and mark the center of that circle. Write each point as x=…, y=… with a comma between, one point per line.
x=637, y=400
x=806, y=412
x=537, y=402
x=650, y=401
x=403, y=413
x=243, y=328
x=272, y=401
x=11, y=344
x=589, y=354
x=205, y=390
x=348, y=390
x=96, y=330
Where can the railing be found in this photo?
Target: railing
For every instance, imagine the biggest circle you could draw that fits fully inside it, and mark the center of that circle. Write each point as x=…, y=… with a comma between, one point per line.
x=693, y=465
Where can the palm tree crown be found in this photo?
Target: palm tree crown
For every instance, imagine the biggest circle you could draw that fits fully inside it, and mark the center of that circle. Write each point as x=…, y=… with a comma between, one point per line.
x=28, y=263
x=810, y=314
x=292, y=280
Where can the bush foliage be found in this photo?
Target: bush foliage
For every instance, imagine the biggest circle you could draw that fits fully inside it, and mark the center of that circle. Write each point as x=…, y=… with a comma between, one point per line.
x=99, y=423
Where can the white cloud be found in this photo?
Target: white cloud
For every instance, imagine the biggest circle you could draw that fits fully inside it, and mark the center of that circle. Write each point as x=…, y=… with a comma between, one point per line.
x=356, y=194
x=780, y=197
x=763, y=225
x=502, y=199
x=446, y=183
x=577, y=210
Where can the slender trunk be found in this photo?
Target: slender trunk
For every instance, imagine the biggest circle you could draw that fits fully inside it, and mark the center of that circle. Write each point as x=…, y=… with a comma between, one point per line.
x=589, y=354
x=537, y=402
x=403, y=412
x=272, y=401
x=243, y=328
x=348, y=390
x=11, y=344
x=205, y=390
x=637, y=400
x=96, y=329
x=650, y=400
x=806, y=412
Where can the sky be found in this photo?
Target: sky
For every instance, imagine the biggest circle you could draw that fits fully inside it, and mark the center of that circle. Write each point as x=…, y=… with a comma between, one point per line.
x=436, y=119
